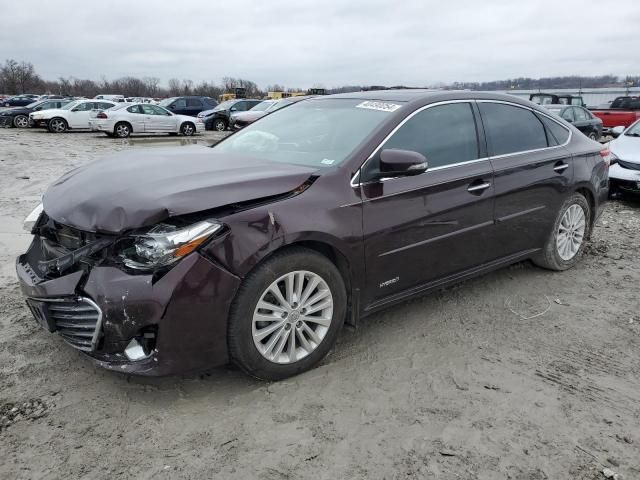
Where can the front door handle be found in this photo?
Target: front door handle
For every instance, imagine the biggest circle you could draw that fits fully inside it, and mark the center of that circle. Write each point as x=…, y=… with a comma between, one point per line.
x=478, y=187
x=560, y=167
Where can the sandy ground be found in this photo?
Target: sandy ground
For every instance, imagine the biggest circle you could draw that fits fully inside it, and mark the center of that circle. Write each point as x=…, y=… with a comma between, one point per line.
x=522, y=374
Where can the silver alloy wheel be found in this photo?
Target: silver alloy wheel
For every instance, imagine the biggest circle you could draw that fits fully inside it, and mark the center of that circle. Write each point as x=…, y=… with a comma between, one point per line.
x=57, y=125
x=592, y=136
x=570, y=233
x=292, y=317
x=122, y=130
x=21, y=121
x=187, y=129
x=219, y=125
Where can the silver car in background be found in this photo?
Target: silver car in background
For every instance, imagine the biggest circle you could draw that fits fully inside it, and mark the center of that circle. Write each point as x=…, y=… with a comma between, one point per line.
x=127, y=118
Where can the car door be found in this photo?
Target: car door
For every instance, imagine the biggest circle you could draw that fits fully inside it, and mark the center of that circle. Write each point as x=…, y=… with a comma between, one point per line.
x=79, y=115
x=179, y=106
x=582, y=120
x=136, y=117
x=533, y=175
x=421, y=229
x=194, y=106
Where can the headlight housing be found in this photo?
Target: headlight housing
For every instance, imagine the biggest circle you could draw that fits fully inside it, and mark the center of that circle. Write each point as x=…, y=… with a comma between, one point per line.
x=165, y=244
x=31, y=219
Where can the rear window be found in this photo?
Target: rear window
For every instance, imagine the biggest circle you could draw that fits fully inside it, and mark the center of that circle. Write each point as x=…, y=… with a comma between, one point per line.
x=558, y=135
x=511, y=129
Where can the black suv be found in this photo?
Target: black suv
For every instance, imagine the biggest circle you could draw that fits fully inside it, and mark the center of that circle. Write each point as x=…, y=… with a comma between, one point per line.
x=19, y=116
x=219, y=117
x=189, y=105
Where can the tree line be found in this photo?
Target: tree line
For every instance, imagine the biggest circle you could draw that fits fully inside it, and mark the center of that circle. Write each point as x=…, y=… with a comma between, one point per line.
x=21, y=77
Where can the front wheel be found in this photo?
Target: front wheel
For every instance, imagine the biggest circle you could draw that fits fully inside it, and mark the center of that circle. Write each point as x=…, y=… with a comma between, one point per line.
x=187, y=129
x=593, y=136
x=287, y=314
x=220, y=124
x=566, y=243
x=58, y=125
x=21, y=121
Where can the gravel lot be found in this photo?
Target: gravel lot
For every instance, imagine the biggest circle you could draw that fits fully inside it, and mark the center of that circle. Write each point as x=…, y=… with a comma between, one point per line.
x=520, y=374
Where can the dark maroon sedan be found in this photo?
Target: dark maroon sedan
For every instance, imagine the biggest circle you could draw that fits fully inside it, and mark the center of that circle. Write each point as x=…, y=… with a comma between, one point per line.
x=258, y=250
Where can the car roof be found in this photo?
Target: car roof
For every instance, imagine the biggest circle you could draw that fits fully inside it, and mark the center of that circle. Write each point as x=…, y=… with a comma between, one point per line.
x=425, y=96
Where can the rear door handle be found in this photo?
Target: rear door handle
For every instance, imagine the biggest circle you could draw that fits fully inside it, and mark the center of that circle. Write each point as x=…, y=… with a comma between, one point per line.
x=478, y=187
x=560, y=167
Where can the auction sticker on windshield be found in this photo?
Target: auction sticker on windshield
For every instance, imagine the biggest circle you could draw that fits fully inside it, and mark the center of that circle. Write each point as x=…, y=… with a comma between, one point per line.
x=382, y=106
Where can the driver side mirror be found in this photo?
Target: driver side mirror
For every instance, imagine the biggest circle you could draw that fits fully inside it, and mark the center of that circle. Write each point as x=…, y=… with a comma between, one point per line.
x=233, y=109
x=402, y=163
x=617, y=131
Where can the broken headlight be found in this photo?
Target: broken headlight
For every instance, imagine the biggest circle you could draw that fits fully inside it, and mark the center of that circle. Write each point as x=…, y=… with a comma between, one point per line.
x=165, y=244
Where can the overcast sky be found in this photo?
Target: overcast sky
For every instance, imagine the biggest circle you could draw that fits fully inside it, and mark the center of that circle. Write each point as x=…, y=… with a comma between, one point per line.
x=301, y=43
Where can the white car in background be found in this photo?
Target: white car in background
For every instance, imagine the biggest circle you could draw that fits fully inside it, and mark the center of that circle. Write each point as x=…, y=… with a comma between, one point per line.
x=624, y=173
x=125, y=119
x=72, y=116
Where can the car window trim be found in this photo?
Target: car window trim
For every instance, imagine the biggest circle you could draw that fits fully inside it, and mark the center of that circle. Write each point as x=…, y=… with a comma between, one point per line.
x=355, y=179
x=356, y=176
x=534, y=111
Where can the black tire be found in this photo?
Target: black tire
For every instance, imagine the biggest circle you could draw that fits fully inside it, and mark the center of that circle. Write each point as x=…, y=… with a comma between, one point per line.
x=21, y=121
x=594, y=136
x=57, y=125
x=243, y=351
x=219, y=124
x=550, y=258
x=122, y=130
x=187, y=129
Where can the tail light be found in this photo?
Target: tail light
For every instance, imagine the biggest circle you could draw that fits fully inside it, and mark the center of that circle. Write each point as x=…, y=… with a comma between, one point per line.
x=101, y=115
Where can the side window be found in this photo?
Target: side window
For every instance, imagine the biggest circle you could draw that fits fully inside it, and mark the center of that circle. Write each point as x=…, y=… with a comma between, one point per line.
x=580, y=114
x=240, y=106
x=159, y=110
x=568, y=115
x=444, y=134
x=511, y=129
x=134, y=109
x=83, y=107
x=558, y=134
x=194, y=102
x=179, y=103
x=104, y=106
x=148, y=109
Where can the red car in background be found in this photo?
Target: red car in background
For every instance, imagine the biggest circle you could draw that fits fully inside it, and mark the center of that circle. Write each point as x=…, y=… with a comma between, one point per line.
x=623, y=112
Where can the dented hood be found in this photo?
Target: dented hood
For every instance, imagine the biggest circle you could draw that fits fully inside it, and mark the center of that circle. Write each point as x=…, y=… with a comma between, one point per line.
x=135, y=189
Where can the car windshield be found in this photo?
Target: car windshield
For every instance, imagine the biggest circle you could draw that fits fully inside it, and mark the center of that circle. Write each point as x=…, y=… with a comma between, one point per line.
x=319, y=133
x=225, y=105
x=264, y=106
x=166, y=102
x=69, y=106
x=634, y=130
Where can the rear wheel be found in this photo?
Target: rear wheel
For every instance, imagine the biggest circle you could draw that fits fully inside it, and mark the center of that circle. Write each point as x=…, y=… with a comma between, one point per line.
x=122, y=130
x=21, y=121
x=187, y=129
x=566, y=242
x=287, y=314
x=58, y=125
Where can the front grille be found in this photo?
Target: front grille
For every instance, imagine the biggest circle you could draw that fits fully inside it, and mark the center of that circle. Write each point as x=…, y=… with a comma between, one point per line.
x=629, y=165
x=77, y=319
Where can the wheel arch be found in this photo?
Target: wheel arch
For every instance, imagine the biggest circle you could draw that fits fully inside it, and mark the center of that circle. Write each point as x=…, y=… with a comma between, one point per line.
x=588, y=194
x=335, y=255
x=115, y=125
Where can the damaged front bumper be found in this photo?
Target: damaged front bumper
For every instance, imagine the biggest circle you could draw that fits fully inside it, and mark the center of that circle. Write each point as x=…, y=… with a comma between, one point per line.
x=180, y=316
